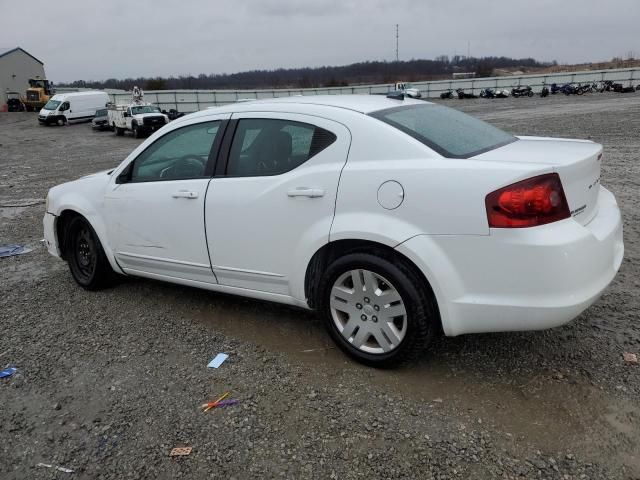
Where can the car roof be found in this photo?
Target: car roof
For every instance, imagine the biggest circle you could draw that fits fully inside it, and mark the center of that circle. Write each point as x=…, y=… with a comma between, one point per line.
x=65, y=95
x=359, y=103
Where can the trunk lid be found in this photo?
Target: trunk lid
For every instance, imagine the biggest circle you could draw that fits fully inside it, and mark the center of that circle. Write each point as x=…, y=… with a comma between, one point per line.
x=576, y=161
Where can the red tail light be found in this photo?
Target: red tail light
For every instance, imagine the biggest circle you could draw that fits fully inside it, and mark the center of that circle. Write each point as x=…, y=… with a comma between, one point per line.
x=535, y=201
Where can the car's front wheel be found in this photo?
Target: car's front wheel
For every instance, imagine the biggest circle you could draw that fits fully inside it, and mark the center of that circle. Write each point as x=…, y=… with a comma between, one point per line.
x=377, y=309
x=87, y=261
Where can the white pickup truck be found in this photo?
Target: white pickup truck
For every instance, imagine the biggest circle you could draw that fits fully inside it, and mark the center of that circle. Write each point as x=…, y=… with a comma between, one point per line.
x=407, y=89
x=140, y=119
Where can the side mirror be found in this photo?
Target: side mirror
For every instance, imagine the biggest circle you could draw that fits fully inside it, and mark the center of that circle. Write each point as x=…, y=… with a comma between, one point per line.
x=127, y=114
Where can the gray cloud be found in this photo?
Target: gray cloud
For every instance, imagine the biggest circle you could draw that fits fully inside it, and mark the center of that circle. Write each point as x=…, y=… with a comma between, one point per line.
x=79, y=39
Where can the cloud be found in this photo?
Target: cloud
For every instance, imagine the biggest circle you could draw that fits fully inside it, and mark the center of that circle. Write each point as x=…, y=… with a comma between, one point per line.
x=79, y=39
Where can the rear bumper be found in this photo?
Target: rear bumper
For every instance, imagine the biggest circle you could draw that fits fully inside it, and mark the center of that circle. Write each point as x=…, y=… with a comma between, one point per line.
x=521, y=279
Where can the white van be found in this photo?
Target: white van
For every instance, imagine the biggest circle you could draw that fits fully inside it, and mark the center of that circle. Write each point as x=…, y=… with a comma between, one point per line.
x=72, y=107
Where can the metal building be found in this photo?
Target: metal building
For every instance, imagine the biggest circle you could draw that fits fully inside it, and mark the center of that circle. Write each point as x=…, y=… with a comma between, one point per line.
x=17, y=66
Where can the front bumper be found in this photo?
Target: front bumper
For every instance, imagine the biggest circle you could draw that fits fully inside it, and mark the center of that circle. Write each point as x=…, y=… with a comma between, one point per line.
x=50, y=237
x=49, y=118
x=521, y=279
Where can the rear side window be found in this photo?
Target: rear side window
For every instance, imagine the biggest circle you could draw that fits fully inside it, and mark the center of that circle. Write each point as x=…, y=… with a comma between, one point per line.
x=263, y=146
x=449, y=132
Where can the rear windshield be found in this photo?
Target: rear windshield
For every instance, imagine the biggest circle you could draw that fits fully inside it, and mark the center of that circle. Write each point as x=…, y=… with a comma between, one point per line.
x=449, y=132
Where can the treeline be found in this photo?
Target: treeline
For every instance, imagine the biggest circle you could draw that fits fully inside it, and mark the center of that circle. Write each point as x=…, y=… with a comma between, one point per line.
x=357, y=73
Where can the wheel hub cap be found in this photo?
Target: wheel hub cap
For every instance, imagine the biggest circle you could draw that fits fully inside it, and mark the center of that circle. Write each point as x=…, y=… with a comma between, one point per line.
x=368, y=311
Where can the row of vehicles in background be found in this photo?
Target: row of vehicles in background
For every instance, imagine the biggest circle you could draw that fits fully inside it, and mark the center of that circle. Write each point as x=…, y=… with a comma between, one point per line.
x=138, y=117
x=527, y=91
x=599, y=87
x=524, y=91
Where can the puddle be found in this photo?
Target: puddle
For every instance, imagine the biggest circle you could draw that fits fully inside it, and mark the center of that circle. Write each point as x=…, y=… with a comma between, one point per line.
x=560, y=415
x=295, y=332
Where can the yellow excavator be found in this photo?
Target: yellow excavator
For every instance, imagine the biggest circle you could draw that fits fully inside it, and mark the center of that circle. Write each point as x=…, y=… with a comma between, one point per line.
x=38, y=93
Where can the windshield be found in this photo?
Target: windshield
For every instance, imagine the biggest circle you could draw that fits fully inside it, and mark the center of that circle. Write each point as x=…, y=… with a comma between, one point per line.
x=101, y=113
x=52, y=104
x=449, y=132
x=144, y=109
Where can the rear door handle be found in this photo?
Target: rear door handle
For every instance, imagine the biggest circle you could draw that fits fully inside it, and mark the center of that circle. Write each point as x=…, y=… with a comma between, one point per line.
x=185, y=194
x=306, y=192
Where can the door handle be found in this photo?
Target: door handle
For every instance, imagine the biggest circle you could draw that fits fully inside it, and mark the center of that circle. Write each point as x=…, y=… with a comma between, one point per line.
x=185, y=194
x=306, y=192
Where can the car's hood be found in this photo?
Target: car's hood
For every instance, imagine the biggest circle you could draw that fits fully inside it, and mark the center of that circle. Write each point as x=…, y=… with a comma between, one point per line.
x=146, y=115
x=92, y=182
x=90, y=189
x=102, y=174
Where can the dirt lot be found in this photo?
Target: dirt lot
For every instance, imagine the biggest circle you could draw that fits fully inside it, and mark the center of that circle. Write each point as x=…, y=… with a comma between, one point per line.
x=109, y=382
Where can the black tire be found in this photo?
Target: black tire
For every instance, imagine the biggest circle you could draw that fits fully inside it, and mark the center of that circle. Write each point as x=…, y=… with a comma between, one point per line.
x=83, y=251
x=60, y=122
x=422, y=318
x=530, y=93
x=119, y=131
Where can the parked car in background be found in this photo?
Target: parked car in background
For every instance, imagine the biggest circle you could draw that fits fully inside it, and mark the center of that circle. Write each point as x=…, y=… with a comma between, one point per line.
x=393, y=219
x=72, y=107
x=100, y=120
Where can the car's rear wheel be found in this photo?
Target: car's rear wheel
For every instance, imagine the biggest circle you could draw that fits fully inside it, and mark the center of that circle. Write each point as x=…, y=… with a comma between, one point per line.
x=87, y=261
x=377, y=309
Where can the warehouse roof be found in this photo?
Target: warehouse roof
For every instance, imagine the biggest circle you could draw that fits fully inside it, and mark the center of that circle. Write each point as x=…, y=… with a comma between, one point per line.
x=7, y=51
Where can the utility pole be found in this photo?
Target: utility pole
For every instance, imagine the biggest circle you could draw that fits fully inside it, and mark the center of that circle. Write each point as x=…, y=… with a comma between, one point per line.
x=397, y=41
x=468, y=49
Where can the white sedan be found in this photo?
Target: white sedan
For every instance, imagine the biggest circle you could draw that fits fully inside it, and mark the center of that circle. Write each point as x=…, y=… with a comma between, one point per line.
x=393, y=218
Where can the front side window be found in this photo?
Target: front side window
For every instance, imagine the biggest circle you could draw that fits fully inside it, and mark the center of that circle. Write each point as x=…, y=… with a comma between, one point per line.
x=449, y=132
x=179, y=155
x=64, y=106
x=263, y=146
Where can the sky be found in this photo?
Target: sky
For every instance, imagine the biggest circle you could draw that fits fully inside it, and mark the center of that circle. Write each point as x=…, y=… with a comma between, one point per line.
x=95, y=40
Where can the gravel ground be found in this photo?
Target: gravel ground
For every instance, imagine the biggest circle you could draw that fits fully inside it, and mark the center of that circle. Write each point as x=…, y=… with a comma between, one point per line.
x=110, y=382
